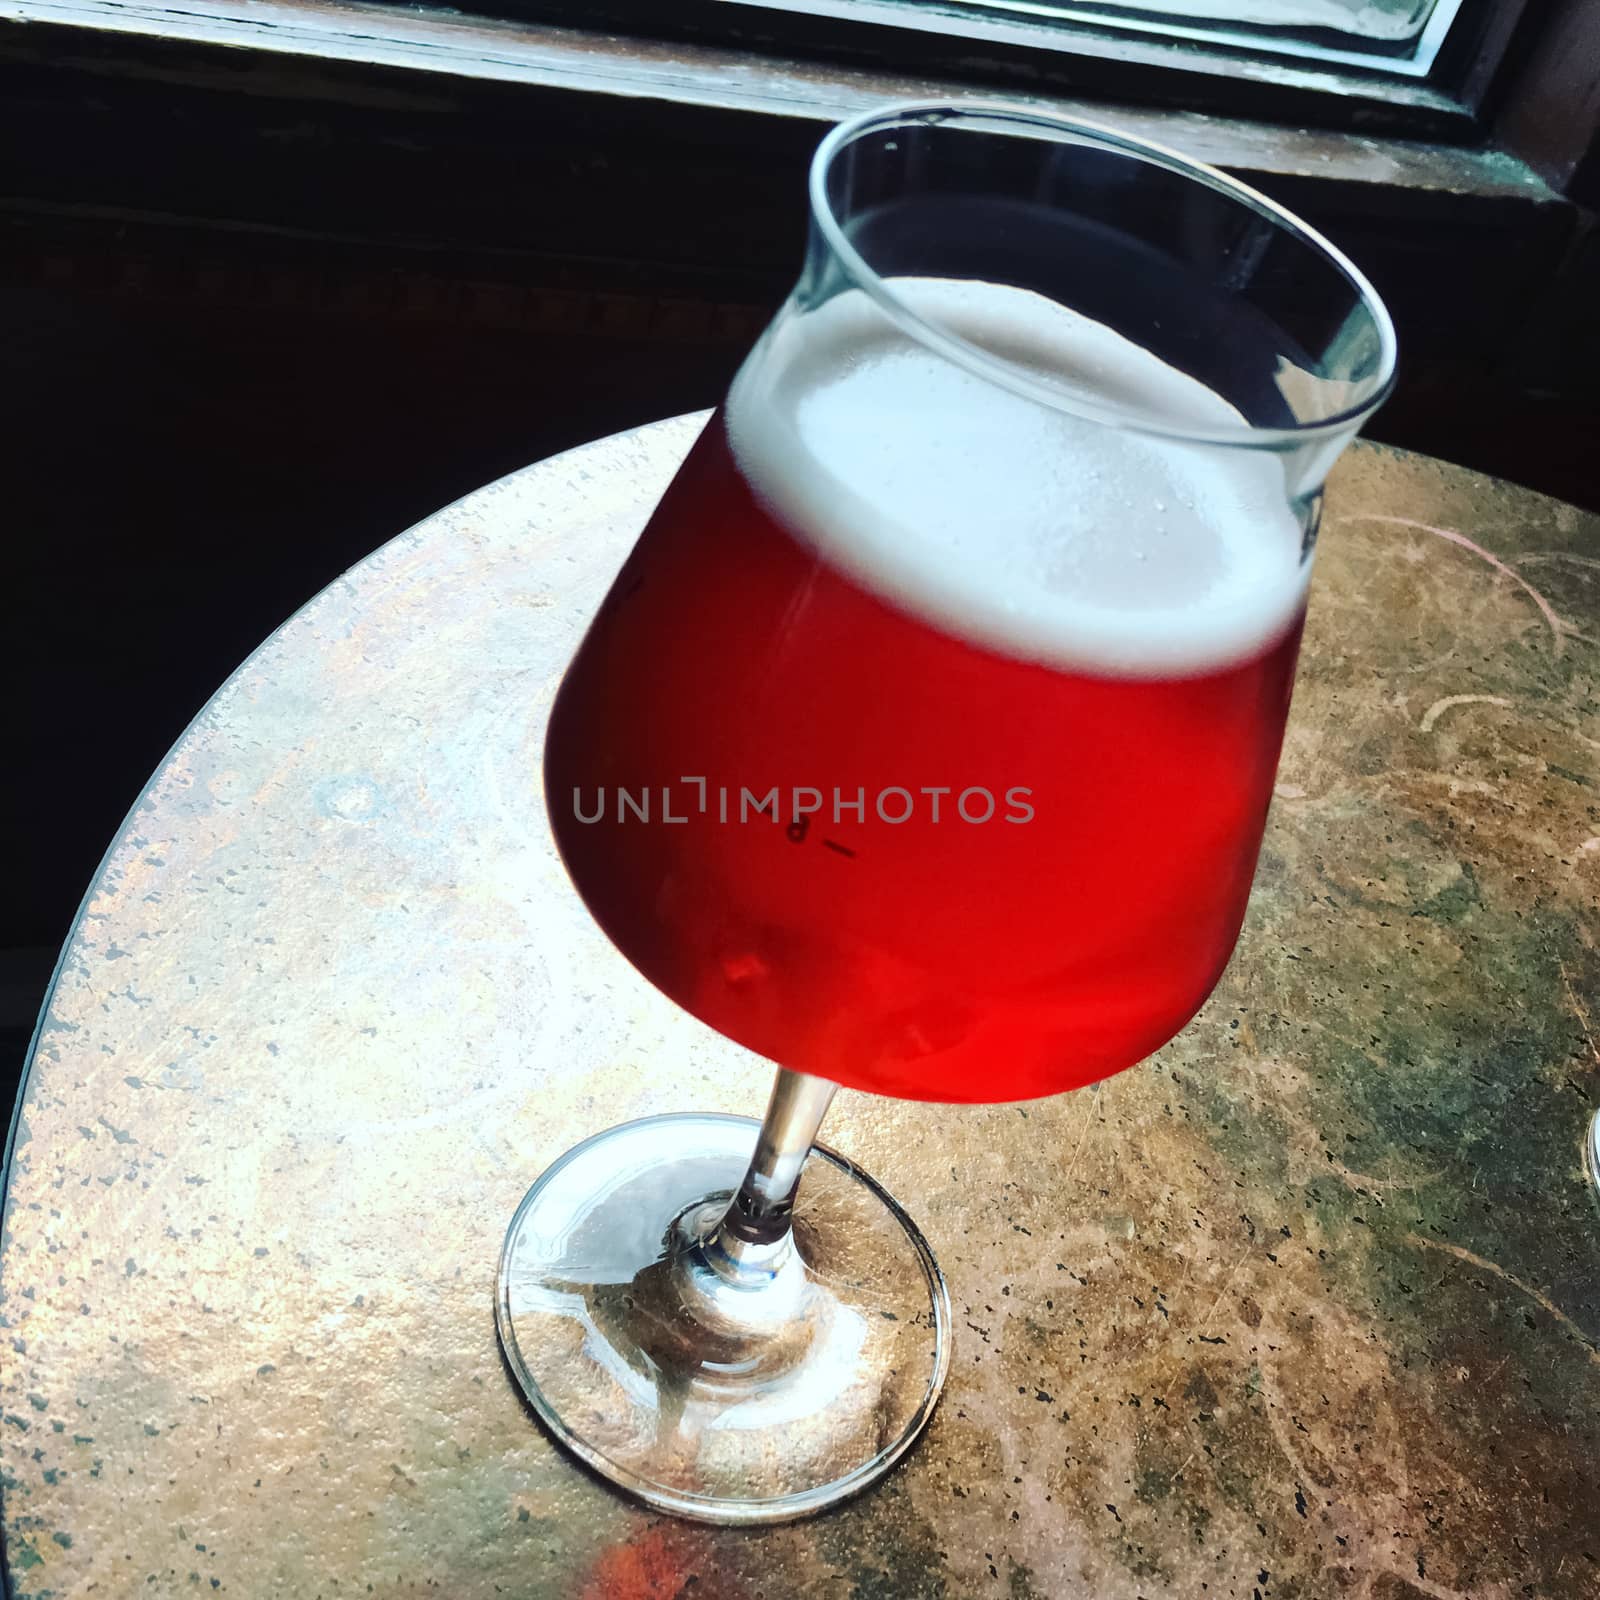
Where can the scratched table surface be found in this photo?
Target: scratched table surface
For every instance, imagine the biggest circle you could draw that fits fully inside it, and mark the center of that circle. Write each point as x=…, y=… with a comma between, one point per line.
x=1306, y=1305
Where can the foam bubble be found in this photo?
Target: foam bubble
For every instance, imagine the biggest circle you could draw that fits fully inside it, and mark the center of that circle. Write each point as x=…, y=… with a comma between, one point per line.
x=1017, y=524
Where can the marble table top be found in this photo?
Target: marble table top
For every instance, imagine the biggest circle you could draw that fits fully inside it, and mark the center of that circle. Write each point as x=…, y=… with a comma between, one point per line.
x=1308, y=1304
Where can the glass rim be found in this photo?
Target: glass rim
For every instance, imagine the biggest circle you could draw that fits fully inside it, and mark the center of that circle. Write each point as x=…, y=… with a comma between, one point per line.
x=1016, y=378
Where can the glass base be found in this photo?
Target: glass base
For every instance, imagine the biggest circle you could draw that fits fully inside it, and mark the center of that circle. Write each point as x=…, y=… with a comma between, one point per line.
x=718, y=1381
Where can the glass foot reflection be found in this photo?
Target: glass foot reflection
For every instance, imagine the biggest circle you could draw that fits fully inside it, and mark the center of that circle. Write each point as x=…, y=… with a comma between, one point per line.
x=726, y=1382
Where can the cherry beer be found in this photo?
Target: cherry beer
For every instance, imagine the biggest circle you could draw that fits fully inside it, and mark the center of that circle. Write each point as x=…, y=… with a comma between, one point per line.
x=1018, y=677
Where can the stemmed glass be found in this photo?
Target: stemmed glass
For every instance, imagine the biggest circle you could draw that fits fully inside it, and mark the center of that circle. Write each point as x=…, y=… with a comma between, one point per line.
x=924, y=745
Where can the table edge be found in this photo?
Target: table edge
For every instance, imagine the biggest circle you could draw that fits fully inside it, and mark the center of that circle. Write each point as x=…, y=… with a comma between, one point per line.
x=30, y=1056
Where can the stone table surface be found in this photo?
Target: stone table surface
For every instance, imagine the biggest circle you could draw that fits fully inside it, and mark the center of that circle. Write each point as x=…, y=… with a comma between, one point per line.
x=1305, y=1305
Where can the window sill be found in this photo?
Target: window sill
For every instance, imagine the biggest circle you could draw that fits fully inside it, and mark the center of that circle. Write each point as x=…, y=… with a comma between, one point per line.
x=522, y=152
x=421, y=42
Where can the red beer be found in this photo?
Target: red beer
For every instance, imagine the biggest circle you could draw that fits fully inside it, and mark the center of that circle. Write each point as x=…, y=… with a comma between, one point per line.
x=925, y=741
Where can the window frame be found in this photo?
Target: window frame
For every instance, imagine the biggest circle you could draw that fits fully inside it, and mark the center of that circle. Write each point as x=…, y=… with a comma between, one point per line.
x=1118, y=16
x=1016, y=53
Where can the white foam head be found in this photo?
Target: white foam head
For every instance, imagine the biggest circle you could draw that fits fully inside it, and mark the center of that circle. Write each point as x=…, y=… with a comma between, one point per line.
x=1020, y=525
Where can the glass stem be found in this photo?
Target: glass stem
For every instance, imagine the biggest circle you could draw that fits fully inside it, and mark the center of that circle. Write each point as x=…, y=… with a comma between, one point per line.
x=760, y=1212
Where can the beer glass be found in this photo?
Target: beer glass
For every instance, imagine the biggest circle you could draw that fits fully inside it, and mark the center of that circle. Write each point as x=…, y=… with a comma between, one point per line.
x=924, y=745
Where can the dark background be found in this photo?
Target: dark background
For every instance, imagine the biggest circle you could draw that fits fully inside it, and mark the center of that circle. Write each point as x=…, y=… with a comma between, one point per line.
x=259, y=321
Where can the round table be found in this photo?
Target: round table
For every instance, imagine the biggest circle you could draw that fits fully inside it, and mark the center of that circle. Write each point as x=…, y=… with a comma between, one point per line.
x=1307, y=1304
